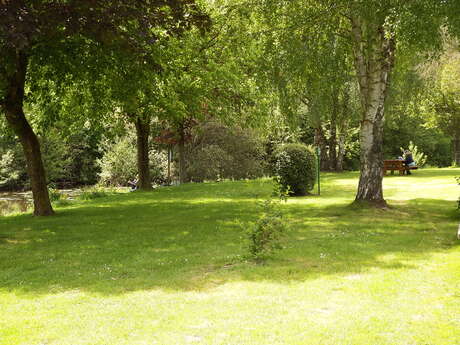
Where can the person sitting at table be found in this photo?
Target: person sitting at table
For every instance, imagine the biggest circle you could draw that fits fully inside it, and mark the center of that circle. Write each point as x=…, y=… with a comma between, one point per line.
x=408, y=160
x=133, y=184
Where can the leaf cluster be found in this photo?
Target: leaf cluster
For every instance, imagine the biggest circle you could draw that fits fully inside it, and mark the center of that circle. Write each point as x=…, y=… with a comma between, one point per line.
x=265, y=236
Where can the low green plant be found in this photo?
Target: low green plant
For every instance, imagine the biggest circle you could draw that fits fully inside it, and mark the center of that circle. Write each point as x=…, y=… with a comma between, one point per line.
x=419, y=157
x=265, y=235
x=93, y=193
x=54, y=193
x=280, y=192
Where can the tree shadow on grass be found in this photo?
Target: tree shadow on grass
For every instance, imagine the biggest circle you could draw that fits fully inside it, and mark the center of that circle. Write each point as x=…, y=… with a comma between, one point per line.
x=133, y=243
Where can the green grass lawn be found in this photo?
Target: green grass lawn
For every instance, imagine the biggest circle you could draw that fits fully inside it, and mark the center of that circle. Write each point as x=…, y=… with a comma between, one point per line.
x=165, y=268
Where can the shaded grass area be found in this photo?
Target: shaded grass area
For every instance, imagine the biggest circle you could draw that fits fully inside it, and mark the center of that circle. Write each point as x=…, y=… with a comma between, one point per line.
x=165, y=267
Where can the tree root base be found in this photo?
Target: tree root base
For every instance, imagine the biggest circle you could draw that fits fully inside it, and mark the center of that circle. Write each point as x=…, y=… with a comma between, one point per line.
x=380, y=204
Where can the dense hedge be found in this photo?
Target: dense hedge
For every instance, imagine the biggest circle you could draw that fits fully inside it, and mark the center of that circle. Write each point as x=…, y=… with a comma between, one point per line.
x=295, y=168
x=218, y=152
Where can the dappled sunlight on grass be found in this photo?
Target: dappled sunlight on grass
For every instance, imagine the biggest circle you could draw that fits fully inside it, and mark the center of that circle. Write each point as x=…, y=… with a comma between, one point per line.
x=167, y=267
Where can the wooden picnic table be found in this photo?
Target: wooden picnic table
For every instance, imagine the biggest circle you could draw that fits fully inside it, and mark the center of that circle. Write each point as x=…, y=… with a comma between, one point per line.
x=396, y=165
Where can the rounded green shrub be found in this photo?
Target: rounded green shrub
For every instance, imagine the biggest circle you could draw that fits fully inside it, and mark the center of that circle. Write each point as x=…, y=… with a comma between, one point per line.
x=295, y=168
x=218, y=151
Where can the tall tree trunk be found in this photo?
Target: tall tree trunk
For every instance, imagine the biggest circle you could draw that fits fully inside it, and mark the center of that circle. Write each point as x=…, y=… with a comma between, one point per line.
x=320, y=141
x=13, y=108
x=373, y=61
x=333, y=138
x=143, y=162
x=182, y=168
x=343, y=128
x=169, y=164
x=341, y=151
x=456, y=150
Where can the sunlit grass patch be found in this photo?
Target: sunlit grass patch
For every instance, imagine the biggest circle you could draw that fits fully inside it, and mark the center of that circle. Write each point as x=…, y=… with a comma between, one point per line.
x=167, y=267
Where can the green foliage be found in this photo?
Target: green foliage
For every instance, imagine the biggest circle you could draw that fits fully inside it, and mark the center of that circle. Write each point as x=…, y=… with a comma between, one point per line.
x=279, y=191
x=222, y=152
x=119, y=163
x=54, y=193
x=158, y=166
x=93, y=193
x=295, y=168
x=55, y=156
x=265, y=235
x=70, y=159
x=352, y=151
x=12, y=172
x=458, y=181
x=410, y=115
x=208, y=163
x=419, y=157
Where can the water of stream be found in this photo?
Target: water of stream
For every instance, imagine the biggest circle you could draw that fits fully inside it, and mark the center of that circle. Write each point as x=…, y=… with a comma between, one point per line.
x=16, y=202
x=19, y=202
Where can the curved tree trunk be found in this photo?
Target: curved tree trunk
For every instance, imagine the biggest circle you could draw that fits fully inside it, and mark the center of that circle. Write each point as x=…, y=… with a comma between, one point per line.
x=143, y=161
x=13, y=108
x=374, y=56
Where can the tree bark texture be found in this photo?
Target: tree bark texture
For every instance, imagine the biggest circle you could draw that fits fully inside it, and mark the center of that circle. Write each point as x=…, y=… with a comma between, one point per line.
x=320, y=141
x=13, y=109
x=169, y=164
x=374, y=56
x=342, y=129
x=456, y=150
x=340, y=152
x=181, y=144
x=333, y=138
x=143, y=161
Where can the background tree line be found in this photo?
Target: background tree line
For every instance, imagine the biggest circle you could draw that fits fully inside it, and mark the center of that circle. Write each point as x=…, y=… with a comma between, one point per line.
x=102, y=92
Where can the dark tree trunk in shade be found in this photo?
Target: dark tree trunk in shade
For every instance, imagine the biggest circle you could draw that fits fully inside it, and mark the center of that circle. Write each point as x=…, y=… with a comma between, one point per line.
x=13, y=109
x=321, y=142
x=333, y=138
x=340, y=152
x=181, y=144
x=342, y=136
x=169, y=164
x=143, y=162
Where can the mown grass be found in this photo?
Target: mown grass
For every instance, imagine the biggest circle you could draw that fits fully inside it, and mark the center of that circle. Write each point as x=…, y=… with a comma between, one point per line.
x=165, y=268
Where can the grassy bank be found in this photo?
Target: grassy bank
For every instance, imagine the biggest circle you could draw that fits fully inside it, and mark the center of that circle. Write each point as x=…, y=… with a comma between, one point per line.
x=165, y=268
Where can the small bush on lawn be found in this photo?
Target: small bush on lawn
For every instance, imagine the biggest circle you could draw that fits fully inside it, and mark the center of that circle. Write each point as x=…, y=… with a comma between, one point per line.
x=265, y=235
x=295, y=168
